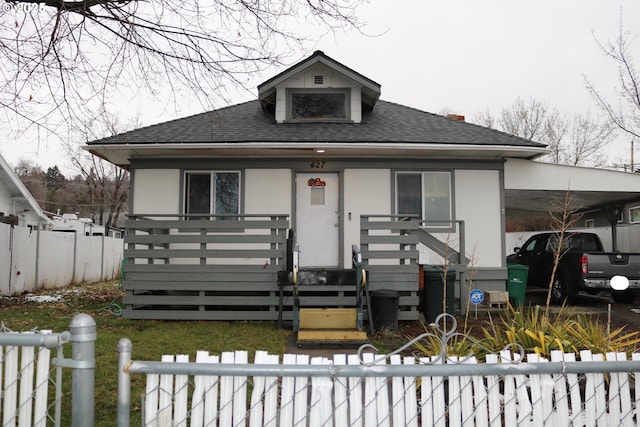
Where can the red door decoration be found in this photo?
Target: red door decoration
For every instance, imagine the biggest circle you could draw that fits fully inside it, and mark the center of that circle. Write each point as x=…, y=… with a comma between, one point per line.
x=316, y=182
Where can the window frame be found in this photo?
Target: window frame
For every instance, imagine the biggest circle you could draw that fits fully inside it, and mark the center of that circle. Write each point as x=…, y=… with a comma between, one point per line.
x=291, y=92
x=212, y=195
x=631, y=210
x=448, y=225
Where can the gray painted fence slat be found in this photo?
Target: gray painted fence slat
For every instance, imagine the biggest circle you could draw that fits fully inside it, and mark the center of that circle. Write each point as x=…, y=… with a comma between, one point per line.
x=397, y=268
x=390, y=254
x=217, y=225
x=203, y=278
x=409, y=239
x=201, y=238
x=389, y=225
x=168, y=314
x=211, y=286
x=204, y=253
x=201, y=269
x=186, y=300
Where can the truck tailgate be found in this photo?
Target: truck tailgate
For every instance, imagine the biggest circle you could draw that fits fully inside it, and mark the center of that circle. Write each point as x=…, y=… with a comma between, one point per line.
x=607, y=265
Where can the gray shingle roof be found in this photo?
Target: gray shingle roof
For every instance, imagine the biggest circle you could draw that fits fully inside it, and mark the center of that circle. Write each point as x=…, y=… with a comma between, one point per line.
x=387, y=123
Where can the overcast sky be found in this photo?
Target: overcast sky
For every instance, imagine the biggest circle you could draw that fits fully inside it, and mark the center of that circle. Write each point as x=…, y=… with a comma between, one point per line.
x=465, y=57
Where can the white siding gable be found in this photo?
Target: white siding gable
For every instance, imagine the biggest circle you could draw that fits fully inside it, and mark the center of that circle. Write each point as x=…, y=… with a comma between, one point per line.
x=330, y=80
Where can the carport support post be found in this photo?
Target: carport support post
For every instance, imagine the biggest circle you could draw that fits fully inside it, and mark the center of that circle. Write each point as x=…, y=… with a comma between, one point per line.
x=83, y=339
x=612, y=216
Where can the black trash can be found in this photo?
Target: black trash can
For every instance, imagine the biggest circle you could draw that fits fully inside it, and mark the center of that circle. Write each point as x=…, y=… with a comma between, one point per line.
x=384, y=309
x=433, y=292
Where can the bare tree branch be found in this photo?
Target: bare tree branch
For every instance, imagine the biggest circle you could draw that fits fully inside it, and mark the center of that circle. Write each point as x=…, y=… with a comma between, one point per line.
x=525, y=118
x=624, y=112
x=579, y=140
x=62, y=59
x=106, y=184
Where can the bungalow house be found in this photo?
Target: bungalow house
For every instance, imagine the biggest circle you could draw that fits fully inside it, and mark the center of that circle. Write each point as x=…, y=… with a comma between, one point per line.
x=17, y=205
x=319, y=163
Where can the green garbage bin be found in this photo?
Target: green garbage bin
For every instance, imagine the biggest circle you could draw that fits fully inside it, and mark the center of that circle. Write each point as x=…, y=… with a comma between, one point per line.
x=517, y=283
x=434, y=291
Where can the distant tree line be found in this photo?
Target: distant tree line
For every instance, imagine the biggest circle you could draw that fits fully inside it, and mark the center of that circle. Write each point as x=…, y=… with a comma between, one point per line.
x=98, y=192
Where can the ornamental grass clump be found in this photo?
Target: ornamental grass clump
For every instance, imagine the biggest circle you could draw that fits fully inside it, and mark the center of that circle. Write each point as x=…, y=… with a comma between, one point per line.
x=534, y=331
x=527, y=327
x=589, y=333
x=457, y=344
x=566, y=331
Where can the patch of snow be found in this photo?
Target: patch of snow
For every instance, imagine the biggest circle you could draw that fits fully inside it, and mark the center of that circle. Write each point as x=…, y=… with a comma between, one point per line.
x=43, y=298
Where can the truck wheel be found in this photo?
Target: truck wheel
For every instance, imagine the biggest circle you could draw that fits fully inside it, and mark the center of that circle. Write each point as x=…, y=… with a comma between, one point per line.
x=623, y=297
x=560, y=292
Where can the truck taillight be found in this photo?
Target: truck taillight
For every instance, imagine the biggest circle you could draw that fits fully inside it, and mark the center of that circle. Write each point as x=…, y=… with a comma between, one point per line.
x=584, y=261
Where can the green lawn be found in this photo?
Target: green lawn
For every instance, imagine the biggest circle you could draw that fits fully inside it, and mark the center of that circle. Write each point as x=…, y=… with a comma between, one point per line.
x=151, y=338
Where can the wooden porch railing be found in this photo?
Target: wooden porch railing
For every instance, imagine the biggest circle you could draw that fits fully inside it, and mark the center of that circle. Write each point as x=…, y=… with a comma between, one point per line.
x=227, y=267
x=388, y=244
x=218, y=267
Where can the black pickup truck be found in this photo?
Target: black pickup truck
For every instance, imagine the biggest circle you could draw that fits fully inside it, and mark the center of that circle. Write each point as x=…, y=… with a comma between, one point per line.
x=584, y=266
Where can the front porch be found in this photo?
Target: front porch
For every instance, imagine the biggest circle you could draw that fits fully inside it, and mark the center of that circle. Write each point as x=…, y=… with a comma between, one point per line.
x=237, y=267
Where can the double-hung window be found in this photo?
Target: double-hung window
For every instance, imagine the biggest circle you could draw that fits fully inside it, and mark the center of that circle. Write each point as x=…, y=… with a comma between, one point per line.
x=426, y=195
x=212, y=193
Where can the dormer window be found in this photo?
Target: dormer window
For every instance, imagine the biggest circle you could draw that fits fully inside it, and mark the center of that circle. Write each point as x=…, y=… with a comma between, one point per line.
x=318, y=89
x=318, y=105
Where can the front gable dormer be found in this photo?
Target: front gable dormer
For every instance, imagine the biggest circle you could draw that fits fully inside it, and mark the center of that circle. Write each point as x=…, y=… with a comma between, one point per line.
x=318, y=89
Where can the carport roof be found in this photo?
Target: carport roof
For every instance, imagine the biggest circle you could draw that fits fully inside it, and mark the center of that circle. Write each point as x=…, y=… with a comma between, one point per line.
x=535, y=188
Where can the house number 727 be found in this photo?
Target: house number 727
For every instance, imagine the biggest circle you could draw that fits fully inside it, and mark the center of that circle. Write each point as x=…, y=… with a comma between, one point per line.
x=317, y=164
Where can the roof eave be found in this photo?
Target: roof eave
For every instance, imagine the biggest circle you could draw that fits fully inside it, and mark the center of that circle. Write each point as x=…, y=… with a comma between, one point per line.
x=121, y=154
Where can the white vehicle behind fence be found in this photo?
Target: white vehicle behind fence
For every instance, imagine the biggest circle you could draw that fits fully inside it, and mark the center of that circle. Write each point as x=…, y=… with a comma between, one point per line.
x=84, y=226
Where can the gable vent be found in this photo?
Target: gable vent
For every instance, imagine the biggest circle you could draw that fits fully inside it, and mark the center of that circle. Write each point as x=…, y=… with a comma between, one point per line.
x=318, y=80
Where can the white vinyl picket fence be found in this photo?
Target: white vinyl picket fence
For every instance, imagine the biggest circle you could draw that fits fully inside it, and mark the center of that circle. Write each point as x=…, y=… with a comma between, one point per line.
x=31, y=390
x=38, y=259
x=368, y=389
x=26, y=382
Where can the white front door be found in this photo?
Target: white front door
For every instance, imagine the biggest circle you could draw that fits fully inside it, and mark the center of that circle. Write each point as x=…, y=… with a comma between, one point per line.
x=318, y=219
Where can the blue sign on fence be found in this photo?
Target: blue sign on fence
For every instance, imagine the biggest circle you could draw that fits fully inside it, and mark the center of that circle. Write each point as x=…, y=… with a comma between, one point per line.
x=476, y=296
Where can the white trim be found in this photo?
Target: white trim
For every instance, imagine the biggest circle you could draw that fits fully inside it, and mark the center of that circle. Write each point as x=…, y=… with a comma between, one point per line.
x=631, y=215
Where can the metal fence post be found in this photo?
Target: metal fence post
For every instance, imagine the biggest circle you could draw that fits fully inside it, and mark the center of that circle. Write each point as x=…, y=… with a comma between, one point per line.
x=124, y=382
x=83, y=339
